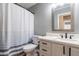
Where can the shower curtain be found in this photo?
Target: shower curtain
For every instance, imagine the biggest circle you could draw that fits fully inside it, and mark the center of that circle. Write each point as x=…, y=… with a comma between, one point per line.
x=20, y=29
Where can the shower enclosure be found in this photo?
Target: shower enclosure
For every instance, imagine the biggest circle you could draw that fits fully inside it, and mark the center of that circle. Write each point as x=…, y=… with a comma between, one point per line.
x=16, y=28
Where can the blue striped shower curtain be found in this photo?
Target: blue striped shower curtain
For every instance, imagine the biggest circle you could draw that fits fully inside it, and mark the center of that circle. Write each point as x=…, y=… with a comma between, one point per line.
x=17, y=30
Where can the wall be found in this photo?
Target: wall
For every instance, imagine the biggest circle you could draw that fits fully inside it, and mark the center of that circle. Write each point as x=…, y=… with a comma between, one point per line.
x=76, y=18
x=42, y=18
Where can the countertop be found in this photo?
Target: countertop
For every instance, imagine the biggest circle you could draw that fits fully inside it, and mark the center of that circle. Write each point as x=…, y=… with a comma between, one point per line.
x=68, y=42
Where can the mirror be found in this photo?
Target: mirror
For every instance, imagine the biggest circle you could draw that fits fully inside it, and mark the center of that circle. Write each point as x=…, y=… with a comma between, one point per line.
x=63, y=17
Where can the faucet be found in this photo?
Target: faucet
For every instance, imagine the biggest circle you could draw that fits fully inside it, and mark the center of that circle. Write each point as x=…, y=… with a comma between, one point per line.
x=61, y=36
x=71, y=36
x=66, y=35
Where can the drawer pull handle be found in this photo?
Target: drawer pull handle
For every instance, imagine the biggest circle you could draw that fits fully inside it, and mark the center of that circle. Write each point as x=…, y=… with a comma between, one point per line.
x=44, y=43
x=44, y=50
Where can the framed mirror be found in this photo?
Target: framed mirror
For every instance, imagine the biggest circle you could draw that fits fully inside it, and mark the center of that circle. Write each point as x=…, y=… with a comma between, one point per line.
x=63, y=17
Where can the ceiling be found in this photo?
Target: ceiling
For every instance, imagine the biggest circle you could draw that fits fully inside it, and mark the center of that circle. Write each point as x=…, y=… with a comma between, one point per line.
x=26, y=5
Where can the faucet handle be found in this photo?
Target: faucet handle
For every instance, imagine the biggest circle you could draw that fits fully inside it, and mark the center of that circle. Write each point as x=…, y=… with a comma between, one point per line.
x=61, y=36
x=71, y=36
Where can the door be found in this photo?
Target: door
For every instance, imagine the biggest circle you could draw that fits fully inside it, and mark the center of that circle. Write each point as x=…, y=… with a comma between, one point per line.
x=74, y=51
x=57, y=49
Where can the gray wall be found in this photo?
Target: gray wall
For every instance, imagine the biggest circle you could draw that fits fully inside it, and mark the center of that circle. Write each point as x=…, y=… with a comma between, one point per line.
x=42, y=21
x=43, y=18
x=76, y=18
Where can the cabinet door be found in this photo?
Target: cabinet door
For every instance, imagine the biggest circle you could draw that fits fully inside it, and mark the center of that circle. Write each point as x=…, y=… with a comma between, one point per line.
x=57, y=49
x=74, y=51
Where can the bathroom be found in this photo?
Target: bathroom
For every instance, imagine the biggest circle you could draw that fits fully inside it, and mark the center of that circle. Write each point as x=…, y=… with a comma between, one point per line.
x=35, y=29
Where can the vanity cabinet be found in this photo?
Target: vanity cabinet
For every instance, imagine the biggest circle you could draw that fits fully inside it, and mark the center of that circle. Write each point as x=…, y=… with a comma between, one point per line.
x=48, y=48
x=66, y=50
x=45, y=48
x=74, y=51
x=57, y=49
x=51, y=47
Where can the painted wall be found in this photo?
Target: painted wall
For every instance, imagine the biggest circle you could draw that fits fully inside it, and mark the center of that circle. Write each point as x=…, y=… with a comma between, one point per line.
x=76, y=18
x=42, y=18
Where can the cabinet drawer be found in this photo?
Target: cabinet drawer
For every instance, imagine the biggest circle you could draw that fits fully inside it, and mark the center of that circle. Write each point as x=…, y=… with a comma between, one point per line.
x=45, y=43
x=44, y=54
x=45, y=50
